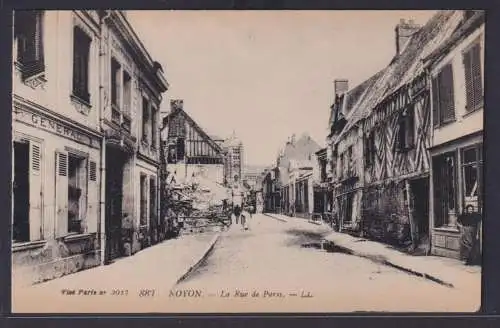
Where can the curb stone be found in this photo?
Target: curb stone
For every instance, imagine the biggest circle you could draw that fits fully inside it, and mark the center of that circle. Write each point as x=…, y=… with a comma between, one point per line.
x=380, y=259
x=197, y=263
x=275, y=217
x=315, y=222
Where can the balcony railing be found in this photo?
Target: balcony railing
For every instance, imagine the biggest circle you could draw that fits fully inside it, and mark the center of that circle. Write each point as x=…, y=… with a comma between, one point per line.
x=115, y=114
x=127, y=122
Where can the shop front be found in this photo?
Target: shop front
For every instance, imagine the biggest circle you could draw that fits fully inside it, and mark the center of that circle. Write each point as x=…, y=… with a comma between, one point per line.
x=56, y=195
x=456, y=182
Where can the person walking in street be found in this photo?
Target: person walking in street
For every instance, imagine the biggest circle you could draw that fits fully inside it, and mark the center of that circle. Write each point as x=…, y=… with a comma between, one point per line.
x=469, y=242
x=237, y=198
x=245, y=216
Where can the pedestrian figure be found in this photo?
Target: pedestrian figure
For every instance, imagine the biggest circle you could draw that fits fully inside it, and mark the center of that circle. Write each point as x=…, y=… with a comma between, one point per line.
x=237, y=213
x=245, y=215
x=237, y=198
x=469, y=241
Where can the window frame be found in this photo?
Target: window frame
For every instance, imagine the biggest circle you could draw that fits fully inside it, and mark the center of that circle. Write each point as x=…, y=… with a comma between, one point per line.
x=146, y=116
x=469, y=50
x=82, y=176
x=479, y=163
x=82, y=43
x=438, y=90
x=35, y=66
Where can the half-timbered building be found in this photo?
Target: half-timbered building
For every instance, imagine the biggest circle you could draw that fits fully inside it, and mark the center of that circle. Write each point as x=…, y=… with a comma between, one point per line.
x=189, y=151
x=344, y=154
x=456, y=149
x=388, y=132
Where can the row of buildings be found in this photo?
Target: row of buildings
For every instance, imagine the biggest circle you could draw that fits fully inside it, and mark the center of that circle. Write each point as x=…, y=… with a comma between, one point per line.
x=90, y=148
x=290, y=185
x=85, y=141
x=404, y=152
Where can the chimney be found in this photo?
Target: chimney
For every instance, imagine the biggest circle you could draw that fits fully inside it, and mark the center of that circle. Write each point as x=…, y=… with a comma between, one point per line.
x=341, y=86
x=176, y=104
x=293, y=139
x=404, y=31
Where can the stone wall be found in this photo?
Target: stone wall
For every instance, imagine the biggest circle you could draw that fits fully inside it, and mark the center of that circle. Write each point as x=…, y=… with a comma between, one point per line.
x=385, y=212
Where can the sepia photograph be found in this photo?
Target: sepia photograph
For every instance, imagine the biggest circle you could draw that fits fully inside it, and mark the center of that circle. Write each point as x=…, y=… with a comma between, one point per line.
x=170, y=161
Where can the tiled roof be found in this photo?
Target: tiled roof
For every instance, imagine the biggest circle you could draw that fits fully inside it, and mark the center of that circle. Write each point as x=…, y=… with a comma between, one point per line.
x=404, y=67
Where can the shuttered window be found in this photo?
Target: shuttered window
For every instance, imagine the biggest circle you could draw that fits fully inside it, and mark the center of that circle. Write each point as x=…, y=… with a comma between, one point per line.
x=92, y=171
x=443, y=98
x=81, y=51
x=29, y=34
x=473, y=77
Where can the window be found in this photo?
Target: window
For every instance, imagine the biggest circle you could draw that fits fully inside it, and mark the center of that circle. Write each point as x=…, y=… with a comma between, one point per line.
x=349, y=162
x=77, y=181
x=115, y=82
x=406, y=132
x=144, y=201
x=28, y=32
x=145, y=120
x=341, y=166
x=370, y=148
x=152, y=199
x=180, y=149
x=472, y=171
x=81, y=51
x=154, y=128
x=443, y=100
x=445, y=193
x=348, y=200
x=127, y=93
x=21, y=193
x=172, y=154
x=473, y=77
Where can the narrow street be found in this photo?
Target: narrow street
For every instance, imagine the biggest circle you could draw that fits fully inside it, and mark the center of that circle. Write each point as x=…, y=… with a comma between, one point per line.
x=286, y=263
x=287, y=258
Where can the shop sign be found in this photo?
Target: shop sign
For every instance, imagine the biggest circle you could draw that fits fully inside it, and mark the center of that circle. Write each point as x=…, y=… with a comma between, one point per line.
x=46, y=123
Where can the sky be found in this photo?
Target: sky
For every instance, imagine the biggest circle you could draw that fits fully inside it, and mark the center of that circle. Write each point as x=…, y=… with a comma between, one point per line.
x=266, y=74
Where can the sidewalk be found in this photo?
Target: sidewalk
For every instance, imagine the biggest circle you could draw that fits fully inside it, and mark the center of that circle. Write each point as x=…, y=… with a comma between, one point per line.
x=164, y=263
x=443, y=270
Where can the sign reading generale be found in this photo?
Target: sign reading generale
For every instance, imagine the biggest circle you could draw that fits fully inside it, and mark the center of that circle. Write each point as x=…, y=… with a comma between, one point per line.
x=49, y=124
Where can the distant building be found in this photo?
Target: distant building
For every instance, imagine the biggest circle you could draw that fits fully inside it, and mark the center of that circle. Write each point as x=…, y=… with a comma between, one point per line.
x=280, y=190
x=251, y=175
x=233, y=158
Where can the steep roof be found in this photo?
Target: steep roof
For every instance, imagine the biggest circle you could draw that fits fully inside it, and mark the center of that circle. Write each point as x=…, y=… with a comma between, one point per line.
x=405, y=66
x=348, y=100
x=301, y=164
x=192, y=122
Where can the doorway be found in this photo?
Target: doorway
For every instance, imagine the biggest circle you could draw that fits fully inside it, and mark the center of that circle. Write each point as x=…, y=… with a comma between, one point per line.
x=21, y=193
x=420, y=191
x=114, y=197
